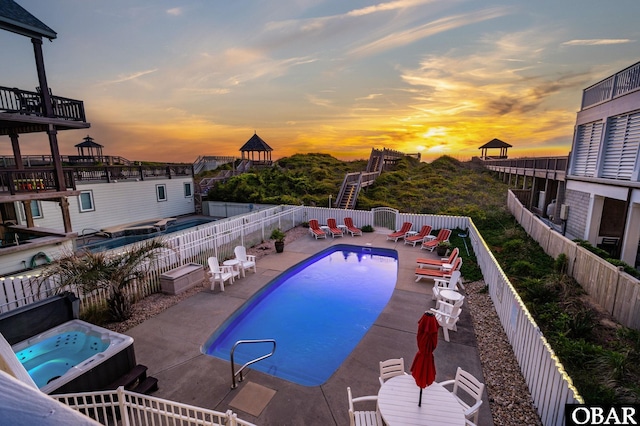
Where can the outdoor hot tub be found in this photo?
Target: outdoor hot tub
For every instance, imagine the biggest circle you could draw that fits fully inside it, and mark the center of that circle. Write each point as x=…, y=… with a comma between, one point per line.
x=75, y=356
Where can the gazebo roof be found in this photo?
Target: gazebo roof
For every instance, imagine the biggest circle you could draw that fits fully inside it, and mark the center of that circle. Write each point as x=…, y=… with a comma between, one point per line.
x=16, y=19
x=495, y=143
x=88, y=143
x=256, y=144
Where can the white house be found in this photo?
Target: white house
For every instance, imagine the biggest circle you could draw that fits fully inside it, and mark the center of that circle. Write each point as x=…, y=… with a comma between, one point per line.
x=602, y=196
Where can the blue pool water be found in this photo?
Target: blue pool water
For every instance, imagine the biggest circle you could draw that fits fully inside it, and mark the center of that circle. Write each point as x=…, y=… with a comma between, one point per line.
x=54, y=356
x=112, y=243
x=317, y=311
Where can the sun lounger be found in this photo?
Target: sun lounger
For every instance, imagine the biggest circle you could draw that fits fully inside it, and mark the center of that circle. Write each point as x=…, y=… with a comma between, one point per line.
x=419, y=237
x=333, y=228
x=395, y=236
x=314, y=228
x=423, y=262
x=443, y=235
x=351, y=228
x=445, y=272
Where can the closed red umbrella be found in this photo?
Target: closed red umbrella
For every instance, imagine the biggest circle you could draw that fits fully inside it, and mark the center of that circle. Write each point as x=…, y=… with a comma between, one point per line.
x=423, y=368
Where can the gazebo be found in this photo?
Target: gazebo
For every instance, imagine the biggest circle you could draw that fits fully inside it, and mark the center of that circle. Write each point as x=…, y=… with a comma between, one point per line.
x=89, y=150
x=493, y=144
x=254, y=146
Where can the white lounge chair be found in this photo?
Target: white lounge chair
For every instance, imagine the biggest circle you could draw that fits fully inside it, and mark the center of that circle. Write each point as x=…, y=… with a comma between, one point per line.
x=247, y=261
x=447, y=316
x=391, y=368
x=221, y=274
x=362, y=418
x=464, y=381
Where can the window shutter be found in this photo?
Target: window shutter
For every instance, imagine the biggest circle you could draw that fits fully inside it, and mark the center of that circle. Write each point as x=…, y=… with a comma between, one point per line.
x=623, y=142
x=587, y=145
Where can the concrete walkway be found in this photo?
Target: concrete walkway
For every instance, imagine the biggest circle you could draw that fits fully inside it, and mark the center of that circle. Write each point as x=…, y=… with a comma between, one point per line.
x=169, y=344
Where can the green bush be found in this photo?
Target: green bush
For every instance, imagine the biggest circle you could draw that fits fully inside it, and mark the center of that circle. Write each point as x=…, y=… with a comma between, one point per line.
x=367, y=228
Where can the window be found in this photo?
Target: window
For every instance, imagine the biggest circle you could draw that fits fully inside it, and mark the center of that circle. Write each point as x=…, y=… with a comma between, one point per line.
x=36, y=210
x=187, y=190
x=86, y=201
x=161, y=192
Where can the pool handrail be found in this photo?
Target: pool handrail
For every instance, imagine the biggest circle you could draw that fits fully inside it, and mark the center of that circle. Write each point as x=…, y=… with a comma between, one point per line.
x=234, y=373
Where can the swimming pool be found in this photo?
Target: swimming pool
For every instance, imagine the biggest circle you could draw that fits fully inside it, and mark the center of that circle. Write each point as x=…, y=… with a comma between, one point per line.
x=111, y=243
x=317, y=311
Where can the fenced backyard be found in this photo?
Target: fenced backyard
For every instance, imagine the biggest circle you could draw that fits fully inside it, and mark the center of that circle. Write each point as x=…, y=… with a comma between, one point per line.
x=609, y=286
x=549, y=384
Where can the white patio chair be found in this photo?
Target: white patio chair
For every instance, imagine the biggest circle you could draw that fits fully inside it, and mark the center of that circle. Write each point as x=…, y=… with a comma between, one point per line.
x=391, y=368
x=247, y=261
x=362, y=418
x=471, y=399
x=221, y=274
x=447, y=316
x=441, y=283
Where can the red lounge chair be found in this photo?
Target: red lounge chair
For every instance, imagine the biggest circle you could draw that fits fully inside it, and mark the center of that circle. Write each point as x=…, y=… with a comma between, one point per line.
x=438, y=273
x=348, y=222
x=415, y=239
x=434, y=263
x=314, y=228
x=333, y=228
x=395, y=236
x=443, y=235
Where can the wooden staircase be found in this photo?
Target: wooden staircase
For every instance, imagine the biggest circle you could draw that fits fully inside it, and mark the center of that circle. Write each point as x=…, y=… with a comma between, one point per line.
x=136, y=380
x=354, y=182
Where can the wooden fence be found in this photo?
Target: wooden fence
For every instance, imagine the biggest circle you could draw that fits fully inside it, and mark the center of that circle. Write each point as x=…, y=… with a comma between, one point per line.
x=609, y=286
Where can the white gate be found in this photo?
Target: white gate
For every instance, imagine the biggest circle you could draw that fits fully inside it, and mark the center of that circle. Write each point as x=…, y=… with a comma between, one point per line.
x=386, y=217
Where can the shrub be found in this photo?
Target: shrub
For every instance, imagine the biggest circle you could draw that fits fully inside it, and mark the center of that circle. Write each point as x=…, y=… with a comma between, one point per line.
x=561, y=264
x=367, y=228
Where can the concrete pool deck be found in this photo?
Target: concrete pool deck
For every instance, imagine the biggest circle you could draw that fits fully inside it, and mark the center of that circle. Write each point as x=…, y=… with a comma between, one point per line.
x=169, y=345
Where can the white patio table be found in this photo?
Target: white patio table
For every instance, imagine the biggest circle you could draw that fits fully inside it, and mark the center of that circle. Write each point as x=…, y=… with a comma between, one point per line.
x=398, y=404
x=450, y=296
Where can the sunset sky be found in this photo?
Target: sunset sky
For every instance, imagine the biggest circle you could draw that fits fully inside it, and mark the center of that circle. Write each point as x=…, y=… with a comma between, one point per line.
x=172, y=80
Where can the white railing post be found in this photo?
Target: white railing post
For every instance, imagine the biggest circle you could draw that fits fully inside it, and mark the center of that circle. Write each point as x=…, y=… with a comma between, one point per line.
x=122, y=406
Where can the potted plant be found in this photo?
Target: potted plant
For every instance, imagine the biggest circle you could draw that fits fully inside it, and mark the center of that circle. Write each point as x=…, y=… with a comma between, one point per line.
x=442, y=247
x=278, y=236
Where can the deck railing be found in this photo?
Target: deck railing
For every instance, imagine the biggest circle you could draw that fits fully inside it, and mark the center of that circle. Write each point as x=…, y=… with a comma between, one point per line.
x=123, y=407
x=621, y=83
x=19, y=101
x=32, y=180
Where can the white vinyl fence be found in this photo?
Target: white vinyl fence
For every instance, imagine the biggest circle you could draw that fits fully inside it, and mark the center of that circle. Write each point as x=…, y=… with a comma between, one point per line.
x=549, y=384
x=123, y=407
x=217, y=239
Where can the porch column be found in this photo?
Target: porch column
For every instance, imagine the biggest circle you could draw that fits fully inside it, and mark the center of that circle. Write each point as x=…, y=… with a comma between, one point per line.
x=28, y=213
x=66, y=217
x=15, y=146
x=631, y=236
x=594, y=217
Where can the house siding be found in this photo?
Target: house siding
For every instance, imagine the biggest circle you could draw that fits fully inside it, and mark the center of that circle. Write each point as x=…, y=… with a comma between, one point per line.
x=121, y=202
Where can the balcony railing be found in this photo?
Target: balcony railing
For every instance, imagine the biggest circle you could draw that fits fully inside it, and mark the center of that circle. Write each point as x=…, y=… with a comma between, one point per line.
x=130, y=173
x=544, y=163
x=34, y=180
x=621, y=83
x=17, y=101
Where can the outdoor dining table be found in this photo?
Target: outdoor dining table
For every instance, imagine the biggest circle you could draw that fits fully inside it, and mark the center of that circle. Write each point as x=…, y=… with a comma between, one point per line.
x=398, y=404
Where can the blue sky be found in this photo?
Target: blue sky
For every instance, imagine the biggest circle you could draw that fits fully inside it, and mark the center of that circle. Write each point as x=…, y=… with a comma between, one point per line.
x=169, y=81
